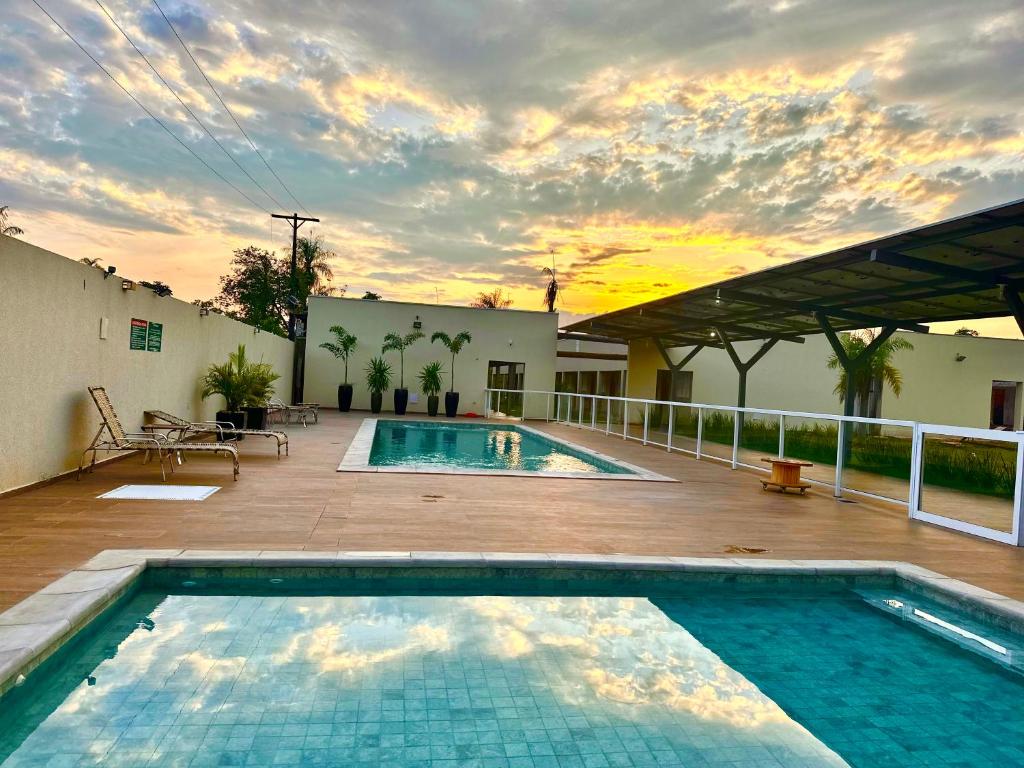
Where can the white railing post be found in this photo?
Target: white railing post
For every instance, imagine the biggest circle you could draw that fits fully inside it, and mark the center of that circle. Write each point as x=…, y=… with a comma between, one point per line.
x=608, y=416
x=547, y=409
x=580, y=413
x=837, y=491
x=625, y=419
x=700, y=431
x=487, y=403
x=499, y=403
x=736, y=416
x=782, y=436
x=916, y=473
x=1017, y=530
x=647, y=413
x=593, y=412
x=671, y=426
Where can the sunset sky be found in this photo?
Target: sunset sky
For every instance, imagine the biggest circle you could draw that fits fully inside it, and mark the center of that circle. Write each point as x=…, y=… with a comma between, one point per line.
x=448, y=146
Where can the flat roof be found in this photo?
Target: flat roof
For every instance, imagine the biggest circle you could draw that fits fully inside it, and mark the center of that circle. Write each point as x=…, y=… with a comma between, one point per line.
x=955, y=269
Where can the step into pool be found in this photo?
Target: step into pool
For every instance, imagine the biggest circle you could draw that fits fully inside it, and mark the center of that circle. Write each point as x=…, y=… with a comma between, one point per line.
x=198, y=669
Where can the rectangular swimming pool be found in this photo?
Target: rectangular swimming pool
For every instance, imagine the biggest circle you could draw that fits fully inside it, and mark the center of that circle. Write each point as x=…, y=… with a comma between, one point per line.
x=479, y=448
x=438, y=672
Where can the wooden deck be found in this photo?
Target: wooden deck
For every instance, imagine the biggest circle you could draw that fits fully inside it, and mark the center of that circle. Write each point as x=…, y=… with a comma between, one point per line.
x=301, y=502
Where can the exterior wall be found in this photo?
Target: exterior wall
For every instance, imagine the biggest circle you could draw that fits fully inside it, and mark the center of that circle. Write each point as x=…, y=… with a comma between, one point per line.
x=936, y=387
x=590, y=364
x=498, y=334
x=50, y=347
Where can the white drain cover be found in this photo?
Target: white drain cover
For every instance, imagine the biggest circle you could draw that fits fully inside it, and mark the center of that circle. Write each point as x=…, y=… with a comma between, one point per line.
x=162, y=492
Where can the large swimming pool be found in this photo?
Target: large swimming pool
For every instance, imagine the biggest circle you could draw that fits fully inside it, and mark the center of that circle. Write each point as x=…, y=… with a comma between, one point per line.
x=433, y=673
x=485, y=447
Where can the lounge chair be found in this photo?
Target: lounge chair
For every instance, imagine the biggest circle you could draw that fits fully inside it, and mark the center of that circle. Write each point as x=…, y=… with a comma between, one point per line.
x=166, y=449
x=301, y=412
x=179, y=429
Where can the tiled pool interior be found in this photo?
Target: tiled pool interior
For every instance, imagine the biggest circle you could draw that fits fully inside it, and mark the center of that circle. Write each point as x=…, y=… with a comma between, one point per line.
x=480, y=446
x=520, y=674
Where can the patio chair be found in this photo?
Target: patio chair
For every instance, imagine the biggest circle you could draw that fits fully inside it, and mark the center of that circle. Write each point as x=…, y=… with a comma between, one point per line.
x=165, y=448
x=301, y=412
x=179, y=429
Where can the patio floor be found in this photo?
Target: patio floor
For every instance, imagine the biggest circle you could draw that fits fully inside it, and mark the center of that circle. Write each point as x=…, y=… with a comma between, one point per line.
x=301, y=502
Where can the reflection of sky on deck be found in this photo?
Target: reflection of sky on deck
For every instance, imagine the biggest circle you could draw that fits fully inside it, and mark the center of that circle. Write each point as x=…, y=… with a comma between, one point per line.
x=603, y=663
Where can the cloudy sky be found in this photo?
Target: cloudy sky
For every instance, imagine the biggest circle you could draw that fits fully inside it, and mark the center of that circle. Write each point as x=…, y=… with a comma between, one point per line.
x=449, y=146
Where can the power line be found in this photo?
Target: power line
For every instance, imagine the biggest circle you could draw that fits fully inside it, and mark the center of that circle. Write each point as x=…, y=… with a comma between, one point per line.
x=227, y=108
x=142, y=106
x=183, y=104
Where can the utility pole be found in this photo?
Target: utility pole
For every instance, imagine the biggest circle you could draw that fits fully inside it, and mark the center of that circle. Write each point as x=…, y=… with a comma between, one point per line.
x=298, y=363
x=296, y=221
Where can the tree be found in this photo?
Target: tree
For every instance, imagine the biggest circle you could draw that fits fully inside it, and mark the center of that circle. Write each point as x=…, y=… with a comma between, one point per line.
x=454, y=346
x=256, y=289
x=8, y=229
x=313, y=271
x=879, y=368
x=965, y=331
x=395, y=343
x=495, y=299
x=92, y=262
x=551, y=292
x=158, y=287
x=371, y=296
x=342, y=347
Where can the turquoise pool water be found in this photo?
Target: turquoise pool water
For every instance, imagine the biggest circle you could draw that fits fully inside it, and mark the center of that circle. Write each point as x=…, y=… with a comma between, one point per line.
x=479, y=446
x=459, y=676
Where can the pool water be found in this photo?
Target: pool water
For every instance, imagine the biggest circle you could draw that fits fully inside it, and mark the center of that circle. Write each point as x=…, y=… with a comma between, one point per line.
x=445, y=680
x=480, y=447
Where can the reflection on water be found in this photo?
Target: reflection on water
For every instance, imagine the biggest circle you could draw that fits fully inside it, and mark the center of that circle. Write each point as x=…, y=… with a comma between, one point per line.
x=478, y=446
x=406, y=681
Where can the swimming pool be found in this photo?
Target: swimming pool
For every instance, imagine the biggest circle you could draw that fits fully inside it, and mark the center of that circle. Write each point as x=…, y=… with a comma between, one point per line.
x=263, y=668
x=478, y=448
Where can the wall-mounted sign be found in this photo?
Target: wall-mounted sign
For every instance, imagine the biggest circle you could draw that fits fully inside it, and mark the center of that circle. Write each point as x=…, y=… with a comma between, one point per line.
x=155, y=337
x=138, y=337
x=146, y=335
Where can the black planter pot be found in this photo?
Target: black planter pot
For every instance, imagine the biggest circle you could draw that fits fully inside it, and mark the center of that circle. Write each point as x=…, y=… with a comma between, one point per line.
x=376, y=400
x=401, y=401
x=432, y=401
x=344, y=397
x=236, y=419
x=255, y=418
x=451, y=404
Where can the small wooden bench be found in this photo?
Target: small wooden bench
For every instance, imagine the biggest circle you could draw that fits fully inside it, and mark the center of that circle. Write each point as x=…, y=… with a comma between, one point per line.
x=786, y=475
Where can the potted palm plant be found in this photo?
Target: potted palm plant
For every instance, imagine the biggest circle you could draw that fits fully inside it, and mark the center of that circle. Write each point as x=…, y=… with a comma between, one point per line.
x=378, y=378
x=261, y=377
x=342, y=347
x=430, y=385
x=231, y=381
x=454, y=345
x=395, y=343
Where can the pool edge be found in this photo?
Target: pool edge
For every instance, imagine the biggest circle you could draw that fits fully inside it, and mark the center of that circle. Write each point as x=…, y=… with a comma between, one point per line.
x=35, y=628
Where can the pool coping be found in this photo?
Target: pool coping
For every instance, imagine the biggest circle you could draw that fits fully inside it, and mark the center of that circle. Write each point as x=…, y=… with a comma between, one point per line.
x=357, y=459
x=35, y=628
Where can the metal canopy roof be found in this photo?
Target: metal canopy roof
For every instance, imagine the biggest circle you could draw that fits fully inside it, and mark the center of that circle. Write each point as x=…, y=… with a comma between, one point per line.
x=965, y=268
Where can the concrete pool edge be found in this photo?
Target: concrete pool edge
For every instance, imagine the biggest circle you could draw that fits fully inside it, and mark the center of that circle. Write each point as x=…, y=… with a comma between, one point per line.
x=357, y=459
x=32, y=630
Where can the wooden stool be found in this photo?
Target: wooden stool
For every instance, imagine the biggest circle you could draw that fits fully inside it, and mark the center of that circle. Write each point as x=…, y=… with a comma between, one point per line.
x=786, y=474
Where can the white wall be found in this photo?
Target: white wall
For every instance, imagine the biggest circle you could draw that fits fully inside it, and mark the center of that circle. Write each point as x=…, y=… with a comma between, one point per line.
x=590, y=364
x=936, y=387
x=50, y=352
x=498, y=334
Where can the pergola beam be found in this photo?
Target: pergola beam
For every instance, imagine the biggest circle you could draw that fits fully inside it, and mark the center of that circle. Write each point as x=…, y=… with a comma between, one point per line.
x=984, y=277
x=811, y=309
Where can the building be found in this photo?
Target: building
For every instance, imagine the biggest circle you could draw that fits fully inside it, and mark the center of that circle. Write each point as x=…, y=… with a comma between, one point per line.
x=511, y=349
x=590, y=367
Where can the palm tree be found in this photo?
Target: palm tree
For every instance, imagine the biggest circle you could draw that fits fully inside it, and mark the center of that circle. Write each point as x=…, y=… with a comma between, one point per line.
x=313, y=270
x=8, y=229
x=551, y=292
x=878, y=368
x=342, y=346
x=454, y=346
x=395, y=343
x=495, y=299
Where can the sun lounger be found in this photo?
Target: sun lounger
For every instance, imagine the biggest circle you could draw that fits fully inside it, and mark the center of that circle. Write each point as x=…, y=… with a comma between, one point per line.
x=165, y=448
x=177, y=428
x=300, y=412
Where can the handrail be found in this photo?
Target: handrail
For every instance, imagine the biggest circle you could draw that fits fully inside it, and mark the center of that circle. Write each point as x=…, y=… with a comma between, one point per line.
x=919, y=431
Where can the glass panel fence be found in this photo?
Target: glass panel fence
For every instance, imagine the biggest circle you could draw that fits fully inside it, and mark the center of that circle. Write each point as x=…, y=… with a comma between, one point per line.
x=815, y=441
x=759, y=439
x=879, y=459
x=969, y=480
x=684, y=428
x=717, y=435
